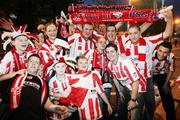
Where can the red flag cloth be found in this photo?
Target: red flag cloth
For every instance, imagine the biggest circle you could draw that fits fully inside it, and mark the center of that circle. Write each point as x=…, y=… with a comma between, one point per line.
x=76, y=97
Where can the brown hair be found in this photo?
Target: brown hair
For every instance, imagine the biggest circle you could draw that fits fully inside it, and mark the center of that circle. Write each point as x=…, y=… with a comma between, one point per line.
x=80, y=57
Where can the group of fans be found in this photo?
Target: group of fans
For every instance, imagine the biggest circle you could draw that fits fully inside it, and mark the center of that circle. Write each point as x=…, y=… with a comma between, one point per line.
x=75, y=76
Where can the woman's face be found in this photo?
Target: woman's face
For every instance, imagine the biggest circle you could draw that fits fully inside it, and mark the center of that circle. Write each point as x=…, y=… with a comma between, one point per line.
x=51, y=32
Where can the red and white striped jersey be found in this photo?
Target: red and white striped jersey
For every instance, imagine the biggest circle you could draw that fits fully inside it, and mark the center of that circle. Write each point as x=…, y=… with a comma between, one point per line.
x=47, y=51
x=163, y=66
x=120, y=42
x=96, y=60
x=126, y=72
x=12, y=62
x=78, y=45
x=99, y=62
x=61, y=88
x=90, y=108
x=141, y=53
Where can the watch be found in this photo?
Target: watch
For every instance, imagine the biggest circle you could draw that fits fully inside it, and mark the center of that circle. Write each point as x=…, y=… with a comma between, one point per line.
x=134, y=100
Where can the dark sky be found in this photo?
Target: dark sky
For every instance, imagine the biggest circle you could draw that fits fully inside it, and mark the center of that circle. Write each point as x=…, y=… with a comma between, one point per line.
x=28, y=11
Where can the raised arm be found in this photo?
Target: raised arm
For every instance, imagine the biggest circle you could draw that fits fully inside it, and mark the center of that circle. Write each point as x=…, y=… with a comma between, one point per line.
x=169, y=25
x=118, y=25
x=145, y=26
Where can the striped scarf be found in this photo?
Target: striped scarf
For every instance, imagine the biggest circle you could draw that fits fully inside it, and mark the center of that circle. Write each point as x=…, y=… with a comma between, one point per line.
x=18, y=63
x=140, y=51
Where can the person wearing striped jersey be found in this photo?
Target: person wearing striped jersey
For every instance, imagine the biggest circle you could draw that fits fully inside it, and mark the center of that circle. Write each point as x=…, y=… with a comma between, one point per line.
x=126, y=74
x=59, y=86
x=15, y=59
x=111, y=35
x=52, y=48
x=139, y=50
x=25, y=95
x=163, y=68
x=98, y=61
x=90, y=80
x=80, y=42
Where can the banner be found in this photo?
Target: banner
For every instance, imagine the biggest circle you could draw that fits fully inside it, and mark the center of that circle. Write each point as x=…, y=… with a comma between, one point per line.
x=146, y=15
x=84, y=8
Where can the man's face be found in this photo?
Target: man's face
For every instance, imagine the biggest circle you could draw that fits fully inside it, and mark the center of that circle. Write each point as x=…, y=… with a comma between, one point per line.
x=33, y=65
x=134, y=34
x=82, y=64
x=60, y=68
x=111, y=53
x=162, y=52
x=101, y=44
x=102, y=29
x=51, y=32
x=87, y=31
x=20, y=43
x=111, y=33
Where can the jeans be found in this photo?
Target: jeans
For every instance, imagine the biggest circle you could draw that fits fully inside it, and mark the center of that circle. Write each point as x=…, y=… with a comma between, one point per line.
x=103, y=106
x=166, y=98
x=136, y=113
x=149, y=100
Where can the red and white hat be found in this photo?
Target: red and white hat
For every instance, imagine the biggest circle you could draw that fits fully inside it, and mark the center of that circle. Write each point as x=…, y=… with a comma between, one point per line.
x=10, y=36
x=64, y=59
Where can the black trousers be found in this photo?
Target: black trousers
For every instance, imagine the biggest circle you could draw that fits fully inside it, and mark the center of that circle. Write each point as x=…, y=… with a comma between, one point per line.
x=167, y=98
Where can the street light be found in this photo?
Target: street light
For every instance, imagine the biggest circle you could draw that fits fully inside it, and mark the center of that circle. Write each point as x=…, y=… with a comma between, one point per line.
x=130, y=2
x=177, y=25
x=177, y=21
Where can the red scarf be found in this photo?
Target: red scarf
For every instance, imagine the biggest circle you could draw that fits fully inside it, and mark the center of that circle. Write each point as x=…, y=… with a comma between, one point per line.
x=121, y=46
x=140, y=51
x=15, y=94
x=17, y=64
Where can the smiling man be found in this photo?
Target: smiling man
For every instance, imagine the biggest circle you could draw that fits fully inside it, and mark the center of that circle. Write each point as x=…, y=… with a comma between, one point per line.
x=163, y=68
x=126, y=75
x=80, y=42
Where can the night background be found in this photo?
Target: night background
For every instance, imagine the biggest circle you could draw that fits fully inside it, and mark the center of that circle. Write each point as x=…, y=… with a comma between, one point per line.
x=35, y=11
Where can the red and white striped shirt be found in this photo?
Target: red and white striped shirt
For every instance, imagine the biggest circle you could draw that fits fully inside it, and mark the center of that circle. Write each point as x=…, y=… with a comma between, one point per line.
x=163, y=66
x=78, y=45
x=60, y=87
x=96, y=59
x=47, y=51
x=126, y=72
x=99, y=62
x=12, y=62
x=141, y=54
x=120, y=42
x=90, y=108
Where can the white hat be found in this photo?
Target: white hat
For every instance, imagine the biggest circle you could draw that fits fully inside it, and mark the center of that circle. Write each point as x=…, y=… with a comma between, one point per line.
x=63, y=59
x=62, y=43
x=10, y=36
